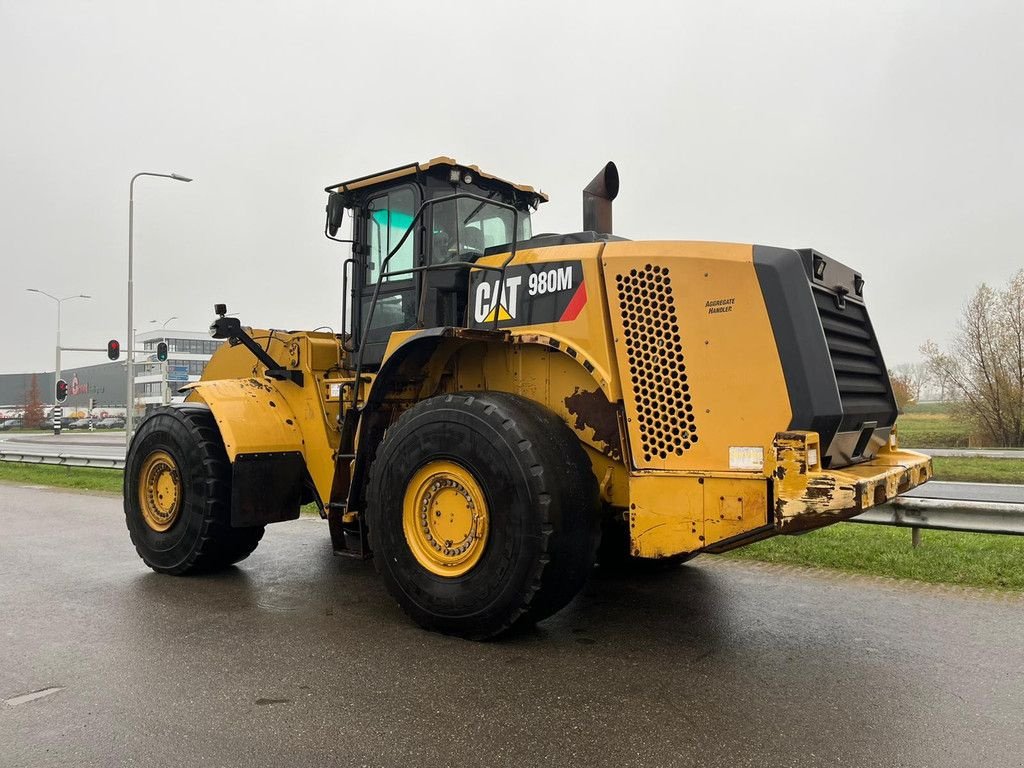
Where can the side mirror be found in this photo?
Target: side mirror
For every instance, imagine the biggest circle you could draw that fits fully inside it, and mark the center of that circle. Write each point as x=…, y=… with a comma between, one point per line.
x=226, y=328
x=335, y=212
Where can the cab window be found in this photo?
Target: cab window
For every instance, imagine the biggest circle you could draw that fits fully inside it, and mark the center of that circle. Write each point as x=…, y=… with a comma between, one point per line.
x=388, y=217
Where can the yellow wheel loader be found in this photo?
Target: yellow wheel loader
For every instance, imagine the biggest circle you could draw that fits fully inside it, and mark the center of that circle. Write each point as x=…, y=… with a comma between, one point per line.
x=506, y=407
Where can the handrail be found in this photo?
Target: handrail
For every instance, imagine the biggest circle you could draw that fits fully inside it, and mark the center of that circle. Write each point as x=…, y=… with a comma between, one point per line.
x=346, y=269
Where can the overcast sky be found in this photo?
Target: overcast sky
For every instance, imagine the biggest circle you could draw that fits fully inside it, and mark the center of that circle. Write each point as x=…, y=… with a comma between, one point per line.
x=885, y=134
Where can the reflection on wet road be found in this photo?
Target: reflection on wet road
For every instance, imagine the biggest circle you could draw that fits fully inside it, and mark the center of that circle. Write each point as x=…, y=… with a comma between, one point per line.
x=299, y=658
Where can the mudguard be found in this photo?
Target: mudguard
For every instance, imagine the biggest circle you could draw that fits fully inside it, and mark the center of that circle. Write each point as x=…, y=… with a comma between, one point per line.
x=264, y=444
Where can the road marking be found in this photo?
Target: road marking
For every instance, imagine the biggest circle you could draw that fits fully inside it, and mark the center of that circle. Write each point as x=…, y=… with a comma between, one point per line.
x=25, y=698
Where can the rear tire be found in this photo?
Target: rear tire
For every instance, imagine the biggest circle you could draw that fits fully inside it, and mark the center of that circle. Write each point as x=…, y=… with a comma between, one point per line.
x=527, y=478
x=177, y=495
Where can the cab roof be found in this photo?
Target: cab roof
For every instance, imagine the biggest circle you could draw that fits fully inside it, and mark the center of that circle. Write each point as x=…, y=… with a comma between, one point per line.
x=438, y=163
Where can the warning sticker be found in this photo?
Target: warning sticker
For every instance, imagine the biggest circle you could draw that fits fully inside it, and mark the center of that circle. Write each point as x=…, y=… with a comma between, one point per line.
x=746, y=457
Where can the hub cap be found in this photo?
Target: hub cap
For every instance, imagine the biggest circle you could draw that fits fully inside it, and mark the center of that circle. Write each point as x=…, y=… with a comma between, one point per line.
x=159, y=491
x=444, y=517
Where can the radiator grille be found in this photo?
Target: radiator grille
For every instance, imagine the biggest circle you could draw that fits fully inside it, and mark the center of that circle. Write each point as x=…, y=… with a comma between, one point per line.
x=863, y=382
x=664, y=411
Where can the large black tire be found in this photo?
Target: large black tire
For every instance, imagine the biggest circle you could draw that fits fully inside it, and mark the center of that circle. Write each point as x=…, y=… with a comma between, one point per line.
x=201, y=538
x=542, y=502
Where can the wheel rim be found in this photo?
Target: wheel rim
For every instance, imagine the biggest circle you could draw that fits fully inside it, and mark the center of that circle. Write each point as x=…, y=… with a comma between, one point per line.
x=445, y=518
x=159, y=491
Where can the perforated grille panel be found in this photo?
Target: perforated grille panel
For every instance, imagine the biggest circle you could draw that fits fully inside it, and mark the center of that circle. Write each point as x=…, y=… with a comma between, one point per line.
x=661, y=393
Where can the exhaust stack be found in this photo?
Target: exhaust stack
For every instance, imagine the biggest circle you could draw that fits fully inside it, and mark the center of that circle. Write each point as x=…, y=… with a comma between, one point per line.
x=597, y=200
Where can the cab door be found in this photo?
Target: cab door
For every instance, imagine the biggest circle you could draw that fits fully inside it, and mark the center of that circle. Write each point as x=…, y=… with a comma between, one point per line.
x=385, y=220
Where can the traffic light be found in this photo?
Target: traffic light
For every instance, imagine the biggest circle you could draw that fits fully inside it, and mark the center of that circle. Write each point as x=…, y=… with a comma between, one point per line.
x=161, y=351
x=113, y=349
x=62, y=390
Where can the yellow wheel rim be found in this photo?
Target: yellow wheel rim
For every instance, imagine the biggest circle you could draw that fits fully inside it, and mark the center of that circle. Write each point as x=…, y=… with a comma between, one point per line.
x=159, y=491
x=444, y=517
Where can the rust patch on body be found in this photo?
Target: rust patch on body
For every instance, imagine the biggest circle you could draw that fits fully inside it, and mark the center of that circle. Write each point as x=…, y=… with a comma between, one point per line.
x=806, y=498
x=593, y=410
x=821, y=501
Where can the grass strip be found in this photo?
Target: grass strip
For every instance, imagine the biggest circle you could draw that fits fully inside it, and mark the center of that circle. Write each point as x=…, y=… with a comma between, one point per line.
x=78, y=478
x=974, y=469
x=944, y=557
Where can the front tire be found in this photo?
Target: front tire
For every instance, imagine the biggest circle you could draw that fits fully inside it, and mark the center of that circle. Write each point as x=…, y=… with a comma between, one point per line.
x=482, y=513
x=177, y=495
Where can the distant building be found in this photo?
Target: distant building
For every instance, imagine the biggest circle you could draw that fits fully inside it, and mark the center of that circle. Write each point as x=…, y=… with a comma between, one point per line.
x=104, y=383
x=158, y=382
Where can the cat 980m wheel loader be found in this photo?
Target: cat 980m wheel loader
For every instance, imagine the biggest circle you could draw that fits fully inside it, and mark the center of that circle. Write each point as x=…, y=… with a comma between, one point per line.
x=505, y=401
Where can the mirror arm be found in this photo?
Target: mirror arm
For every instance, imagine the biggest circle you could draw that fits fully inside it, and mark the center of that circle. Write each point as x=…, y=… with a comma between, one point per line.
x=231, y=329
x=329, y=236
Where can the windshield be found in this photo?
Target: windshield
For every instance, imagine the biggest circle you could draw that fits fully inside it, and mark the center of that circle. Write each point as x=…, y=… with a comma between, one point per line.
x=463, y=228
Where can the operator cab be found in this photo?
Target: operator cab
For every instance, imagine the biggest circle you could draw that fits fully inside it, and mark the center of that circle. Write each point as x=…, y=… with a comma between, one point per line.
x=416, y=230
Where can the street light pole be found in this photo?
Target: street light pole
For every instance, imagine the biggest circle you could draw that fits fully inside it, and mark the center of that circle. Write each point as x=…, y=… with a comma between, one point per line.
x=56, y=375
x=130, y=391
x=163, y=326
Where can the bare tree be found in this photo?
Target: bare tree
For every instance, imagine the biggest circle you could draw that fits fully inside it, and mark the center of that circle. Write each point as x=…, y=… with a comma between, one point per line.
x=984, y=365
x=903, y=388
x=916, y=377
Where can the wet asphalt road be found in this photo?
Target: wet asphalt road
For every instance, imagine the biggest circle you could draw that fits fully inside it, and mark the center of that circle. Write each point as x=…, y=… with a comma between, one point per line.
x=997, y=492
x=981, y=453
x=300, y=658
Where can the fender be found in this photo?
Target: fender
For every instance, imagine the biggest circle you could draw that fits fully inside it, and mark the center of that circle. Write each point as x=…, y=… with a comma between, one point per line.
x=232, y=400
x=264, y=444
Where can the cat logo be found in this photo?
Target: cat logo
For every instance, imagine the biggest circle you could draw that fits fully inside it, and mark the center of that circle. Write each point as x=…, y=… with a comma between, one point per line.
x=488, y=308
x=545, y=292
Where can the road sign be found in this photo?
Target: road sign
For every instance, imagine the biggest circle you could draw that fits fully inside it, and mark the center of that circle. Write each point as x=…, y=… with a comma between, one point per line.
x=177, y=375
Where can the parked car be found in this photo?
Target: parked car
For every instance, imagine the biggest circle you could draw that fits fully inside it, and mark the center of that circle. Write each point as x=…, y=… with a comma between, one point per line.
x=10, y=424
x=111, y=422
x=79, y=424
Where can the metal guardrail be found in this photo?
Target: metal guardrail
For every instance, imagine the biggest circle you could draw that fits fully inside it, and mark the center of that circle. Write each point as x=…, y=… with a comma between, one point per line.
x=906, y=512
x=61, y=459
x=947, y=515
